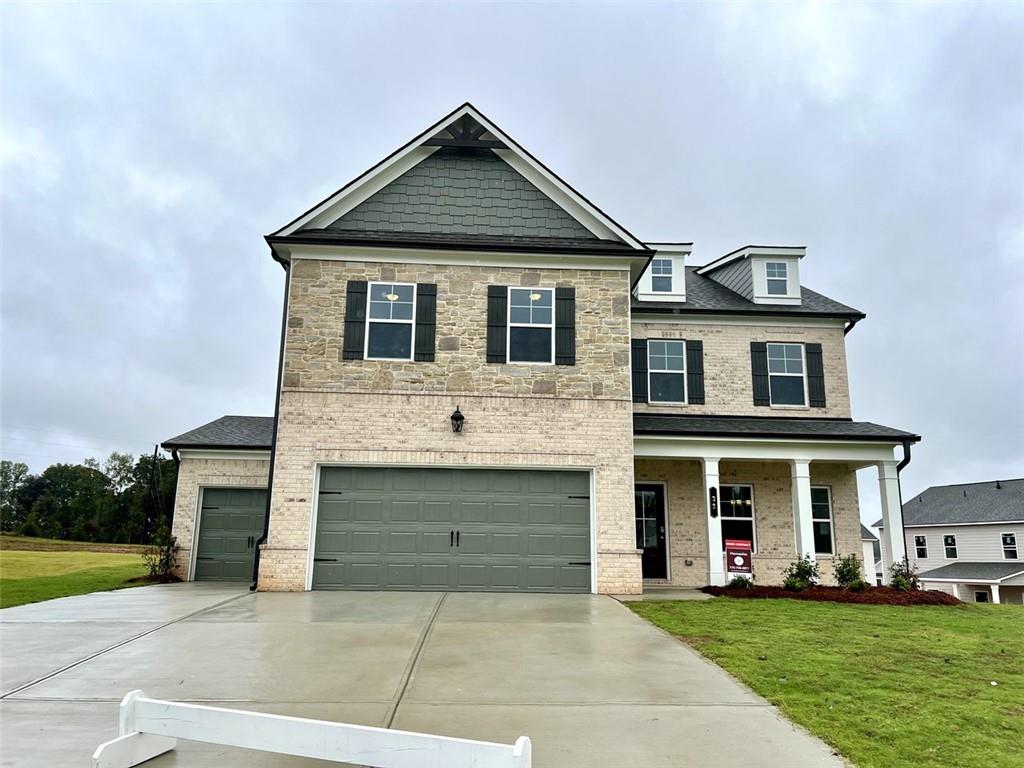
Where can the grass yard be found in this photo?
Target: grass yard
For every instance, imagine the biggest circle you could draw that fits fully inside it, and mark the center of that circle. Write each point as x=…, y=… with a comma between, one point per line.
x=885, y=685
x=29, y=573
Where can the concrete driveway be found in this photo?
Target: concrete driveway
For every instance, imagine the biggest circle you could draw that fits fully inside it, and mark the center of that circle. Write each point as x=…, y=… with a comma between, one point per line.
x=589, y=682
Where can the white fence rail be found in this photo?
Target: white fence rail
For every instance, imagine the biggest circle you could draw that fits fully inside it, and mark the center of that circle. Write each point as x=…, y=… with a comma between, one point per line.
x=150, y=727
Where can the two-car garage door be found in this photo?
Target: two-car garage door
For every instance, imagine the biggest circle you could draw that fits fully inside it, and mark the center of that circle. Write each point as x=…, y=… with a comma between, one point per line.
x=452, y=529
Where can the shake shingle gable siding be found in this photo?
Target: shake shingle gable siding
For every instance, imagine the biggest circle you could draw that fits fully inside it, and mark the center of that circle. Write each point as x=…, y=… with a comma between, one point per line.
x=458, y=192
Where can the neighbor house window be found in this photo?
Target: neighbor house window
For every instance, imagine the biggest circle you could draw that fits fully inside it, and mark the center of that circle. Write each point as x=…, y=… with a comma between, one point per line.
x=666, y=363
x=736, y=509
x=777, y=274
x=531, y=325
x=921, y=545
x=389, y=322
x=821, y=519
x=1009, y=546
x=949, y=542
x=661, y=275
x=981, y=597
x=786, y=381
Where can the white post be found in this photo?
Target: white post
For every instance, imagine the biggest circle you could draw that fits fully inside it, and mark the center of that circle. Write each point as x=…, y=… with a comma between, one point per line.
x=802, y=522
x=956, y=591
x=995, y=594
x=716, y=559
x=894, y=546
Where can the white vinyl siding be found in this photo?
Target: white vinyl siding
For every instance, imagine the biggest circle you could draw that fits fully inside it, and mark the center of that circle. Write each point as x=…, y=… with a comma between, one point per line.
x=974, y=543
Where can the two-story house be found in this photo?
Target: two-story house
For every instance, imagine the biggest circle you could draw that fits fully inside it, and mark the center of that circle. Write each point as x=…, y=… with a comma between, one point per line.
x=968, y=540
x=487, y=383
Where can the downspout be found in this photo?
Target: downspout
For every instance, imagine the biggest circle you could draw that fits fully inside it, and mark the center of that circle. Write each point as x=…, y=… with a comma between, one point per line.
x=277, y=413
x=899, y=490
x=853, y=322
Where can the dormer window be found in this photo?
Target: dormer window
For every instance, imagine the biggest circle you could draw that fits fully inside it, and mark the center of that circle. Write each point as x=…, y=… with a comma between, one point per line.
x=776, y=274
x=661, y=275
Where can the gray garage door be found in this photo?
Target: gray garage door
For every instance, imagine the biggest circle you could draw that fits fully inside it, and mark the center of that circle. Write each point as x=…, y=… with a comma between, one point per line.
x=229, y=525
x=452, y=529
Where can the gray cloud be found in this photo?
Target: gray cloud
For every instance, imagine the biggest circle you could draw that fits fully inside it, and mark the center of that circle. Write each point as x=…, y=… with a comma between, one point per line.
x=147, y=148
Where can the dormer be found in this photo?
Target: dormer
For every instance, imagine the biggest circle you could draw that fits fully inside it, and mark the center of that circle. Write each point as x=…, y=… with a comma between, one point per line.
x=665, y=277
x=762, y=274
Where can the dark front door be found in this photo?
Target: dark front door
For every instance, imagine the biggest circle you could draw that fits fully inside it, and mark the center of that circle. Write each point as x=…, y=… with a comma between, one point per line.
x=649, y=503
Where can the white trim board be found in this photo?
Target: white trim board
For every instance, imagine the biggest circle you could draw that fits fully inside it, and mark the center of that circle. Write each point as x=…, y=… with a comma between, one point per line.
x=789, y=321
x=255, y=454
x=761, y=449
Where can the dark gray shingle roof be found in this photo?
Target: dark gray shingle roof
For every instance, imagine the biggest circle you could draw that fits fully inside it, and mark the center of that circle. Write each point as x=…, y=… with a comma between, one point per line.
x=704, y=295
x=980, y=571
x=866, y=534
x=967, y=503
x=228, y=432
x=766, y=426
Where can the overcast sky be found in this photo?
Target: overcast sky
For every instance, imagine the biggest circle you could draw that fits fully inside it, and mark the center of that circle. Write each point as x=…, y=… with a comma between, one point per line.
x=146, y=149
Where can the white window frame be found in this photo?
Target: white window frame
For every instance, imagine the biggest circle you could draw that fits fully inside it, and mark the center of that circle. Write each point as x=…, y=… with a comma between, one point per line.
x=768, y=278
x=1013, y=546
x=659, y=262
x=919, y=547
x=509, y=325
x=831, y=520
x=752, y=518
x=650, y=370
x=946, y=547
x=411, y=323
x=803, y=365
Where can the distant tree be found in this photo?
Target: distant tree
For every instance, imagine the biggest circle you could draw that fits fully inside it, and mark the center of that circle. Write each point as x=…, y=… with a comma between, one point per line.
x=13, y=475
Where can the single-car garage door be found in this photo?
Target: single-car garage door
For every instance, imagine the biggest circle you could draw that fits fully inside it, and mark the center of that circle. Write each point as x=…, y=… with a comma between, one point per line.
x=230, y=523
x=452, y=529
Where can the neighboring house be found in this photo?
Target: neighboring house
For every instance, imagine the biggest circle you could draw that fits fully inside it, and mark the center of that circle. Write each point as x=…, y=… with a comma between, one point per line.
x=968, y=540
x=487, y=383
x=871, y=556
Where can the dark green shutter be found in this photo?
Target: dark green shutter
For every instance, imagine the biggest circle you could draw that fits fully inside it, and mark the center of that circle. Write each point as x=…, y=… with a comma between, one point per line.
x=759, y=371
x=639, y=347
x=497, y=323
x=565, y=326
x=355, y=320
x=695, y=372
x=426, y=322
x=815, y=376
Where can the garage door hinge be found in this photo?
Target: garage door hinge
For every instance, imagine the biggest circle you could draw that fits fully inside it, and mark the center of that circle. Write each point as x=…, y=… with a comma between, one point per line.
x=325, y=559
x=580, y=563
x=579, y=497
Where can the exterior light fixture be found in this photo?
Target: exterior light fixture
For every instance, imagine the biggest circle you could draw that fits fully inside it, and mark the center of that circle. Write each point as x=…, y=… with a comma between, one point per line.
x=457, y=420
x=391, y=296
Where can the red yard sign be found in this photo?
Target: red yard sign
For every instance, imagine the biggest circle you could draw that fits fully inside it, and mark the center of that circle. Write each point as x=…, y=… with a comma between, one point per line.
x=737, y=557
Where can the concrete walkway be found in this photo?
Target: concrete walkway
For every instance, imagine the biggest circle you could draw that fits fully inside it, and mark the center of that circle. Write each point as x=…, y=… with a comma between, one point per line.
x=589, y=682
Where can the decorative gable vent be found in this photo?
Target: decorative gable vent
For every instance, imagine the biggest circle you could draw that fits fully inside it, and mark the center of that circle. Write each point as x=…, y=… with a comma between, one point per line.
x=665, y=277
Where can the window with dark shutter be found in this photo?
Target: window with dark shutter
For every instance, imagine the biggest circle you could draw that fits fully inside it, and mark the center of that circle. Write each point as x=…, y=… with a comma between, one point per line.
x=695, y=372
x=355, y=320
x=497, y=323
x=815, y=376
x=759, y=372
x=426, y=322
x=565, y=326
x=639, y=353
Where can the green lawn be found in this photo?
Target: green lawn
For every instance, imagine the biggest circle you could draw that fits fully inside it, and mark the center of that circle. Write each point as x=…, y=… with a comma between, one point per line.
x=886, y=686
x=28, y=576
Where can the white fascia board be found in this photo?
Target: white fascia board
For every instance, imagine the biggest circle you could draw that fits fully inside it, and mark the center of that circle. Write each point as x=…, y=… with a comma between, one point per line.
x=961, y=525
x=368, y=253
x=761, y=449
x=226, y=453
x=746, y=251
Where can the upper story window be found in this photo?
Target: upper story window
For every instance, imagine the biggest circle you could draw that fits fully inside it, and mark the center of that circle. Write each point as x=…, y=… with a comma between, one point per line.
x=390, y=320
x=787, y=381
x=666, y=372
x=921, y=545
x=661, y=275
x=777, y=277
x=737, y=514
x=1009, y=546
x=821, y=520
x=949, y=544
x=531, y=325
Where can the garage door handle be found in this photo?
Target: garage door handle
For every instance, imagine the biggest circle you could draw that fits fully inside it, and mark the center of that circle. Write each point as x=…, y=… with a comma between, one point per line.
x=451, y=538
x=458, y=535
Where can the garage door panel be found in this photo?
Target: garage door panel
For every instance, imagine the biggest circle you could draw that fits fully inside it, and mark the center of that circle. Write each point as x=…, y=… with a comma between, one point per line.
x=366, y=542
x=507, y=512
x=405, y=511
x=506, y=543
x=435, y=543
x=477, y=511
x=542, y=513
x=574, y=546
x=230, y=522
x=368, y=511
x=541, y=544
x=440, y=511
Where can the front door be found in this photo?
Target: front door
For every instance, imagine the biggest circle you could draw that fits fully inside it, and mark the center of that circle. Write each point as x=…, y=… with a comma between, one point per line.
x=649, y=505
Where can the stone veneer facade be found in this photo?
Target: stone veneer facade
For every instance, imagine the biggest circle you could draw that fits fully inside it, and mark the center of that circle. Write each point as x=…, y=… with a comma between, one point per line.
x=387, y=412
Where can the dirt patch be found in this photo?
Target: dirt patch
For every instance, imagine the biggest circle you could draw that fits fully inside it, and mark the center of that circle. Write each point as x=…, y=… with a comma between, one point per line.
x=869, y=596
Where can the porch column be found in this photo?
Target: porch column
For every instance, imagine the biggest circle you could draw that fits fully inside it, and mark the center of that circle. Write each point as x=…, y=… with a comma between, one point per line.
x=995, y=593
x=956, y=591
x=894, y=546
x=716, y=561
x=802, y=522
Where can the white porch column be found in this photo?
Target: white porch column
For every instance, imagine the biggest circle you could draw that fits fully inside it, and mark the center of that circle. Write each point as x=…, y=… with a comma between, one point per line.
x=802, y=522
x=716, y=561
x=894, y=546
x=995, y=593
x=956, y=591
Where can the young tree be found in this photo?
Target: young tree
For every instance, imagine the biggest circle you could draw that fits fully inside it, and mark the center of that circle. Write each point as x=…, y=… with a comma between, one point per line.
x=13, y=475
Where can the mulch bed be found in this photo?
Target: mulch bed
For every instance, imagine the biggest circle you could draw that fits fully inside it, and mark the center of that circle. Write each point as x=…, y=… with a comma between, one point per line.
x=147, y=579
x=870, y=596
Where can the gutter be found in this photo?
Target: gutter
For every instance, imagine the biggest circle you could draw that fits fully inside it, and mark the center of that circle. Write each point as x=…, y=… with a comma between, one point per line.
x=853, y=322
x=277, y=413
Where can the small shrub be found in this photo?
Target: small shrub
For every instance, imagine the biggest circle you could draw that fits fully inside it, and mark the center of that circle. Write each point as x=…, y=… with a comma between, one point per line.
x=859, y=586
x=741, y=582
x=847, y=571
x=903, y=577
x=801, y=574
x=162, y=558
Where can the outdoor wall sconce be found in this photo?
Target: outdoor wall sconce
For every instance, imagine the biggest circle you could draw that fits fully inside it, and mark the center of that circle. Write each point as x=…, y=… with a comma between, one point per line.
x=457, y=420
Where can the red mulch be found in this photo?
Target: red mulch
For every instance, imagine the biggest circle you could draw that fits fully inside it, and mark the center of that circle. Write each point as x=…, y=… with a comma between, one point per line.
x=870, y=596
x=153, y=580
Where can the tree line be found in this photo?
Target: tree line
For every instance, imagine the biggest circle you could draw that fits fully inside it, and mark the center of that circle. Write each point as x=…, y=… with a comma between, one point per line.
x=123, y=500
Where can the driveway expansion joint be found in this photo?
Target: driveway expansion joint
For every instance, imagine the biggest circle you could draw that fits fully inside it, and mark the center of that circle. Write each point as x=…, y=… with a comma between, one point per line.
x=413, y=661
